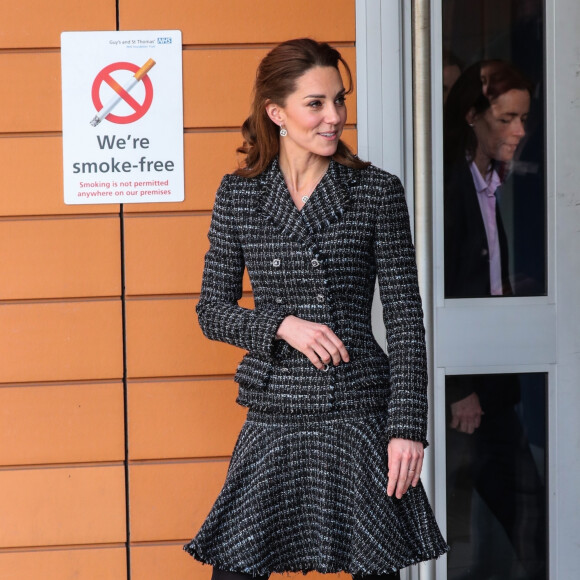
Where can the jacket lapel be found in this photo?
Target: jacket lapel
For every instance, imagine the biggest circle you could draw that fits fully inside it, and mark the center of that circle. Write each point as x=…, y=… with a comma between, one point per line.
x=277, y=206
x=329, y=200
x=325, y=206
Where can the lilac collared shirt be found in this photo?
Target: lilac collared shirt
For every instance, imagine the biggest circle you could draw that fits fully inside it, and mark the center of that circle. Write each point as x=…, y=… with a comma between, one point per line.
x=486, y=189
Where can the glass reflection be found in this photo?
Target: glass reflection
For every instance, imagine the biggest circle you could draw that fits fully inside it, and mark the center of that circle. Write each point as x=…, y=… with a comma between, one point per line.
x=496, y=500
x=485, y=117
x=493, y=148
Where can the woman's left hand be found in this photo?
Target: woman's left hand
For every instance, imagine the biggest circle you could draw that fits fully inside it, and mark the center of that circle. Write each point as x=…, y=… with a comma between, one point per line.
x=405, y=464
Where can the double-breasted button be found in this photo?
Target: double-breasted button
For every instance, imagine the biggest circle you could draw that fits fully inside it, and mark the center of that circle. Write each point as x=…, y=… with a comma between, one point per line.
x=315, y=263
x=276, y=262
x=353, y=181
x=320, y=298
x=279, y=300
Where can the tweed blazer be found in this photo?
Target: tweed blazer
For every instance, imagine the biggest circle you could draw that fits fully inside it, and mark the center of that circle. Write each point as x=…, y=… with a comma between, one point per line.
x=320, y=264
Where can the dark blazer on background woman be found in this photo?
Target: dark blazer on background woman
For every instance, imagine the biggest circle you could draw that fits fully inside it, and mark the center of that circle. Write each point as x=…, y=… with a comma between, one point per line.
x=467, y=276
x=466, y=248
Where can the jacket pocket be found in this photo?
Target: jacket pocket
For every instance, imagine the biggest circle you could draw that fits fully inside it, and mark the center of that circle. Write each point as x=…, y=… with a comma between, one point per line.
x=253, y=372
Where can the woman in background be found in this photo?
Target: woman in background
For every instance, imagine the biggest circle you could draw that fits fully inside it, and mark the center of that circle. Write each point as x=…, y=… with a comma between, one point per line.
x=485, y=116
x=487, y=449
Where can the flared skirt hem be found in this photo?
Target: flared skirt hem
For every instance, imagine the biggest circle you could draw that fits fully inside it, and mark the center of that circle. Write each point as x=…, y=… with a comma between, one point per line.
x=192, y=550
x=309, y=493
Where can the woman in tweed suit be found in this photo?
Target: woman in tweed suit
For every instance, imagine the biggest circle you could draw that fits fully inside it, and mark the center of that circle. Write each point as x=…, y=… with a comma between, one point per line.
x=325, y=472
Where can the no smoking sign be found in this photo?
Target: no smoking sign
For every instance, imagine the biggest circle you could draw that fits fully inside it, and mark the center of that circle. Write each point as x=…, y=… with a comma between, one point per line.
x=122, y=116
x=133, y=74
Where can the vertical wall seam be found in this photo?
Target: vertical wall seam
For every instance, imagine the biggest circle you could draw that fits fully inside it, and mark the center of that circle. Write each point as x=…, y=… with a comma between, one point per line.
x=125, y=391
x=125, y=379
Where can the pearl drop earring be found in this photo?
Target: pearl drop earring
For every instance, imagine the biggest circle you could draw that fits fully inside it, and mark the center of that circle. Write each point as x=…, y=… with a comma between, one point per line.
x=283, y=131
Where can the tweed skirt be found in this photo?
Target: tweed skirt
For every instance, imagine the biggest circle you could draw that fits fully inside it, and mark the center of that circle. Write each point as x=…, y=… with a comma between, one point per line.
x=308, y=492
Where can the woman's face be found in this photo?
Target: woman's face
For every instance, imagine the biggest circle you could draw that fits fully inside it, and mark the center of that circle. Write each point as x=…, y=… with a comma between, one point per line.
x=314, y=114
x=500, y=128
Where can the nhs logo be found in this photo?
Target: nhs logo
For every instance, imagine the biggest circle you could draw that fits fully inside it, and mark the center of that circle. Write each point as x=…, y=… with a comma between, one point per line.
x=164, y=40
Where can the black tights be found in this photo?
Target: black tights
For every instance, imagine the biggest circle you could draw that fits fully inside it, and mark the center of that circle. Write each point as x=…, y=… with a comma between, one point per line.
x=224, y=575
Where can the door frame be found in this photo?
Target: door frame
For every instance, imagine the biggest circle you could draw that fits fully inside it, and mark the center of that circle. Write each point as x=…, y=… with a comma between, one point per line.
x=384, y=42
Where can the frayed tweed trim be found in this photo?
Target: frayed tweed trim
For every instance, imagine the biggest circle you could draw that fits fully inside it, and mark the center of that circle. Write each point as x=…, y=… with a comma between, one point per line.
x=193, y=550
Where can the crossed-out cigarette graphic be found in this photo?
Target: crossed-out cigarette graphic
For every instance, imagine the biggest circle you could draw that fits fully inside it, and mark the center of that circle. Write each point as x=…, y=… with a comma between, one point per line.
x=114, y=101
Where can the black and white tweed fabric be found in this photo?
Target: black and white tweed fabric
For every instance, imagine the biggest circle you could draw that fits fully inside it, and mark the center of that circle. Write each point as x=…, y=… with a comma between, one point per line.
x=306, y=487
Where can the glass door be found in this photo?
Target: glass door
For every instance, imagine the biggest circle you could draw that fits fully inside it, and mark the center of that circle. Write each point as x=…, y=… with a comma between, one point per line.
x=504, y=360
x=494, y=319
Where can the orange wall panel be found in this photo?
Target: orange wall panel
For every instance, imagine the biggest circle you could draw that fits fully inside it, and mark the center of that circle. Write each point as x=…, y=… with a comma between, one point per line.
x=183, y=419
x=61, y=341
x=164, y=340
x=169, y=501
x=32, y=182
x=349, y=136
x=75, y=564
x=30, y=93
x=61, y=424
x=231, y=21
x=207, y=158
x=59, y=506
x=217, y=85
x=38, y=23
x=164, y=255
x=55, y=258
x=154, y=562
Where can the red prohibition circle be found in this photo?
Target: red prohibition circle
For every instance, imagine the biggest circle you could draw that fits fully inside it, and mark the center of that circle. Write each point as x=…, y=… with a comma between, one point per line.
x=104, y=76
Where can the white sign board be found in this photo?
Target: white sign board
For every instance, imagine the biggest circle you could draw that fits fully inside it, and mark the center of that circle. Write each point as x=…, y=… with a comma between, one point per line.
x=122, y=116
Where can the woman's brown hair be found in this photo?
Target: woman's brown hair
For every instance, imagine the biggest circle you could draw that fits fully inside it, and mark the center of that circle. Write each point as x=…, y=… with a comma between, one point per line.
x=276, y=79
x=477, y=87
